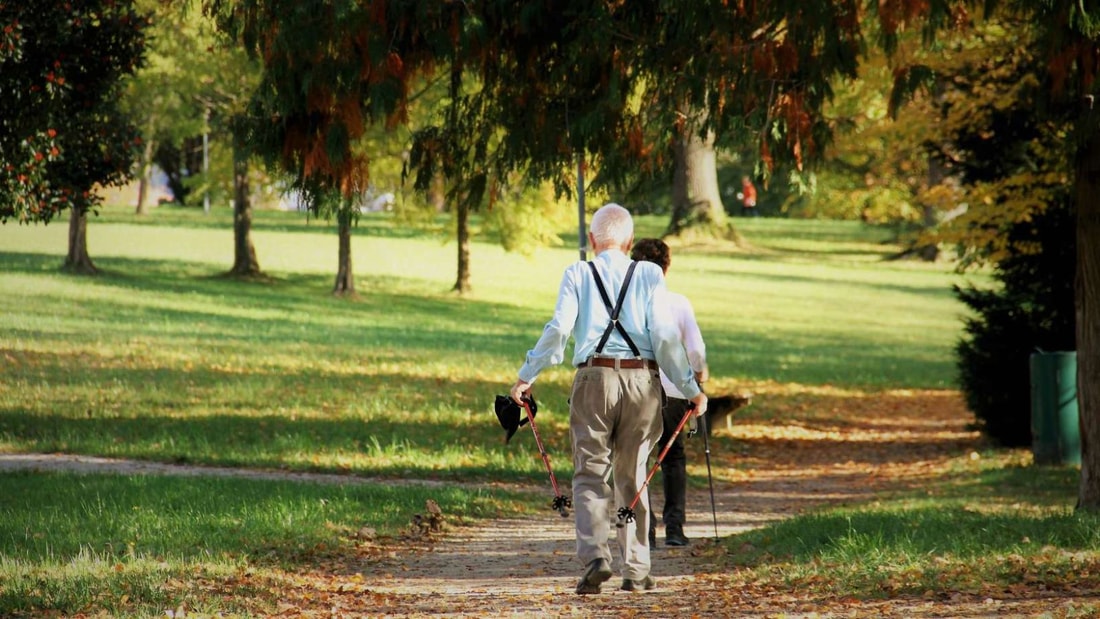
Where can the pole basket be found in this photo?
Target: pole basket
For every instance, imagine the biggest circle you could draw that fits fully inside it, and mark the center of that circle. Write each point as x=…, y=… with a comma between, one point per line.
x=626, y=514
x=561, y=505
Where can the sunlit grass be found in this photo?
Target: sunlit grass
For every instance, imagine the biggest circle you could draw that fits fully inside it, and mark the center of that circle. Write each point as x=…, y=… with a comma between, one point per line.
x=161, y=358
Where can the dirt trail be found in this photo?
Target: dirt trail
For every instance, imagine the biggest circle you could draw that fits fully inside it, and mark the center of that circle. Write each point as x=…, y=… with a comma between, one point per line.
x=526, y=567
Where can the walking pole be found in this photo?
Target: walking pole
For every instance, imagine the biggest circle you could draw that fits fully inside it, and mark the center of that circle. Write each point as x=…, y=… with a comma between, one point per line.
x=626, y=514
x=710, y=478
x=561, y=502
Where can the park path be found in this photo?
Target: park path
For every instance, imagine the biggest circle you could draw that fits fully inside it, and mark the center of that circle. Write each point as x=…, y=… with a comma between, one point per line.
x=525, y=567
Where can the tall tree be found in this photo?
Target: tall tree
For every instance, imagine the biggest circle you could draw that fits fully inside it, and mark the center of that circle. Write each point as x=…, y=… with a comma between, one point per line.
x=61, y=130
x=224, y=101
x=454, y=150
x=304, y=117
x=160, y=97
x=1068, y=41
x=180, y=99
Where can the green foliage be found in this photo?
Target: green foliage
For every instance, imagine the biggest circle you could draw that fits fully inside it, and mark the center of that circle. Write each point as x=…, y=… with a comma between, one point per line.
x=1013, y=110
x=1032, y=311
x=554, y=81
x=162, y=96
x=61, y=66
x=876, y=166
x=526, y=218
x=192, y=83
x=1009, y=167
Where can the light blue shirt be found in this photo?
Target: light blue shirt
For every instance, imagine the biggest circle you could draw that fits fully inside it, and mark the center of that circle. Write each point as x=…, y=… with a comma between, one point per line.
x=646, y=315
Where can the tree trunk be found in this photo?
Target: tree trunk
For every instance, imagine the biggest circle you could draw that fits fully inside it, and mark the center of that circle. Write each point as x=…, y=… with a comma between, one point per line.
x=437, y=193
x=696, y=199
x=936, y=175
x=78, y=261
x=245, y=263
x=1087, y=306
x=345, y=282
x=145, y=178
x=144, y=181
x=930, y=252
x=462, y=217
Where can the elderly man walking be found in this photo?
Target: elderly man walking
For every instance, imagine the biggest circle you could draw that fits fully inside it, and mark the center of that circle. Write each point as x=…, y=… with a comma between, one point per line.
x=617, y=312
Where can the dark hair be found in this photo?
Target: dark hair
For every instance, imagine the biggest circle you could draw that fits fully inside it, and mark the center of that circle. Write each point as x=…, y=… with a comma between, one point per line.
x=652, y=250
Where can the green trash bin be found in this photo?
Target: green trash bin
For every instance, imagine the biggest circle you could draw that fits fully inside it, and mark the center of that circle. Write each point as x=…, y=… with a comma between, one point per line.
x=1055, y=432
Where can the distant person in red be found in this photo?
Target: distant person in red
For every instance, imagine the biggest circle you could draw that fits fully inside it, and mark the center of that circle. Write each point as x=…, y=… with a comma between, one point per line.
x=748, y=197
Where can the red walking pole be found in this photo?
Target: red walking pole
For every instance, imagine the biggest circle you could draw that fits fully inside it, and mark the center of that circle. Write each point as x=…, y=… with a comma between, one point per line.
x=626, y=514
x=561, y=502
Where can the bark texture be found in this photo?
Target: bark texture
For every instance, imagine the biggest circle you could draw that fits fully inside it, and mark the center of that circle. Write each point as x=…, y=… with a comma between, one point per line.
x=245, y=263
x=78, y=260
x=1087, y=306
x=145, y=177
x=345, y=281
x=462, y=218
x=696, y=199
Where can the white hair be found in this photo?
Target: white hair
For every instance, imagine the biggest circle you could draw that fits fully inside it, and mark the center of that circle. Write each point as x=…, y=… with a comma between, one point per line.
x=612, y=225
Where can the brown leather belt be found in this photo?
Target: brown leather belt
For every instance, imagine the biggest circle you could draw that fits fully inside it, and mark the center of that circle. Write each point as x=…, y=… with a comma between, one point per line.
x=626, y=364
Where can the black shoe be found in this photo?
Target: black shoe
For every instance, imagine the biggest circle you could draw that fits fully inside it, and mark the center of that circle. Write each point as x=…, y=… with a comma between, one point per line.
x=596, y=574
x=674, y=536
x=653, y=539
x=648, y=583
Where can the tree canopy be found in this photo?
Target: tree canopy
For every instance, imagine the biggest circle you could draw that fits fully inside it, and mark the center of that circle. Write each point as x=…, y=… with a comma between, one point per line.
x=61, y=131
x=557, y=80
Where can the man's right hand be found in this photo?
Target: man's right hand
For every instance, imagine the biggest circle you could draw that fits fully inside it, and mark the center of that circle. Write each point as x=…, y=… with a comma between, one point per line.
x=700, y=402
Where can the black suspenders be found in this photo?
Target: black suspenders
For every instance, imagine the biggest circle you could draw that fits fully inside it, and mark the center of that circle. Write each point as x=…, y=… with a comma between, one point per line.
x=614, y=311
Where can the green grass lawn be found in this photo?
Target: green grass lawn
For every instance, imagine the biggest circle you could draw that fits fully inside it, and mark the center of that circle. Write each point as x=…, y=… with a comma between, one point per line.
x=162, y=358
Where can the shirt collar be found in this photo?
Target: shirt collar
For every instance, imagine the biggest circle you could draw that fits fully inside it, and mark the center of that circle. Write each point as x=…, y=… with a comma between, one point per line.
x=613, y=255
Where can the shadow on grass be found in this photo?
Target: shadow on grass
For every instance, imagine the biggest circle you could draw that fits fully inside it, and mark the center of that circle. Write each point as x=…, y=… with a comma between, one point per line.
x=389, y=424
x=192, y=517
x=966, y=532
x=917, y=287
x=815, y=358
x=411, y=448
x=1050, y=484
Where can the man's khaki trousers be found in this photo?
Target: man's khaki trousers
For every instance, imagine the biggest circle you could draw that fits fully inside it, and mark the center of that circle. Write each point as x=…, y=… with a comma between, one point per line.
x=614, y=423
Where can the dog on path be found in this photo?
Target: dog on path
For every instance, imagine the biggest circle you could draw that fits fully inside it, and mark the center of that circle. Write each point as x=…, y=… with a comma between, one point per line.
x=721, y=407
